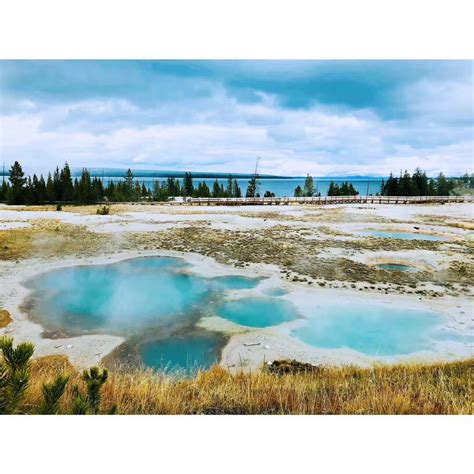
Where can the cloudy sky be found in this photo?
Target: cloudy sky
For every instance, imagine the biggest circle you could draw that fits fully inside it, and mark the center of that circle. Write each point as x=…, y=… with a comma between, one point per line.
x=319, y=117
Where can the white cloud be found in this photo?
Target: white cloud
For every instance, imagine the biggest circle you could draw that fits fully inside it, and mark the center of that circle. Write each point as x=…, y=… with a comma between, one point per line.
x=218, y=133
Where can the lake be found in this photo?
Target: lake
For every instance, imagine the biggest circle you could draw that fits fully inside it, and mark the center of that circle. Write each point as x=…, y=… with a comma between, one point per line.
x=281, y=187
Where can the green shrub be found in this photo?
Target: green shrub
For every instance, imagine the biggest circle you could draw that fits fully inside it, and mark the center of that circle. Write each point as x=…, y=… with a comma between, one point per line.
x=14, y=374
x=94, y=380
x=15, y=380
x=103, y=211
x=52, y=393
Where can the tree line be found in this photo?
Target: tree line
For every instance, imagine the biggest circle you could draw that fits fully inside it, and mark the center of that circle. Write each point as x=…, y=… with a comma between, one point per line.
x=60, y=187
x=419, y=184
x=309, y=189
x=406, y=184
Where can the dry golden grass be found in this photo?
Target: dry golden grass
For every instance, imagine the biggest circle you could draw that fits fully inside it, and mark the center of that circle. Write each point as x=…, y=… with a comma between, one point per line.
x=5, y=318
x=48, y=239
x=402, y=389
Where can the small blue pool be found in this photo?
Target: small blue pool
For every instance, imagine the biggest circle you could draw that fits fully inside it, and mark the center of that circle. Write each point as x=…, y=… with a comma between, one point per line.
x=388, y=234
x=257, y=312
x=396, y=267
x=373, y=329
x=185, y=355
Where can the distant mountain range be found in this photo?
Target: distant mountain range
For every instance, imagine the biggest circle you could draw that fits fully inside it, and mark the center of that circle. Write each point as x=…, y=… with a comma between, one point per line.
x=119, y=173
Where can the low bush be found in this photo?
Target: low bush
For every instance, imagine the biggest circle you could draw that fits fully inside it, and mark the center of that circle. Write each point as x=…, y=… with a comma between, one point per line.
x=103, y=211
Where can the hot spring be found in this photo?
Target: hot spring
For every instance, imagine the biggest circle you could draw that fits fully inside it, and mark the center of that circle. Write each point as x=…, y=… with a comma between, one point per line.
x=138, y=298
x=155, y=303
x=374, y=328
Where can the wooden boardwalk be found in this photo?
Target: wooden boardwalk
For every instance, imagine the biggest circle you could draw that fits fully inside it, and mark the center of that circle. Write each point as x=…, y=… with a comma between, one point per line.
x=324, y=200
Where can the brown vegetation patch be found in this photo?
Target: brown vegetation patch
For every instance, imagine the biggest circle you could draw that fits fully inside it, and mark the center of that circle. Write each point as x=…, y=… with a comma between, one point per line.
x=460, y=271
x=5, y=318
x=293, y=253
x=49, y=239
x=336, y=233
x=461, y=225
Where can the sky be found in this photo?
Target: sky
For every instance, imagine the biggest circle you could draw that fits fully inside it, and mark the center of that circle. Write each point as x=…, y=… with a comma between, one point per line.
x=326, y=118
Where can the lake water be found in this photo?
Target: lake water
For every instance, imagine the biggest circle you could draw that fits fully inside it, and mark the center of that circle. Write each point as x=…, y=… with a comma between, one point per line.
x=281, y=187
x=155, y=302
x=401, y=235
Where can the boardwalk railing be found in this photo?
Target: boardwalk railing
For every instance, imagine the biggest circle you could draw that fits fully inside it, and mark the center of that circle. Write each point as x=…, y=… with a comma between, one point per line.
x=322, y=200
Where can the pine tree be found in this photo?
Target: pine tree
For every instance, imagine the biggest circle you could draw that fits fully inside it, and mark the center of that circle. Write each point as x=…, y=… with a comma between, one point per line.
x=137, y=191
x=65, y=179
x=298, y=191
x=432, y=191
x=252, y=188
x=216, y=189
x=52, y=394
x=16, y=193
x=41, y=190
x=391, y=187
x=173, y=186
x=160, y=191
x=188, y=186
x=14, y=374
x=237, y=190
x=4, y=191
x=442, y=185
x=406, y=184
x=85, y=190
x=203, y=190
x=309, y=186
x=94, y=380
x=420, y=183
x=352, y=191
x=128, y=186
x=50, y=196
x=57, y=186
x=334, y=189
x=230, y=187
